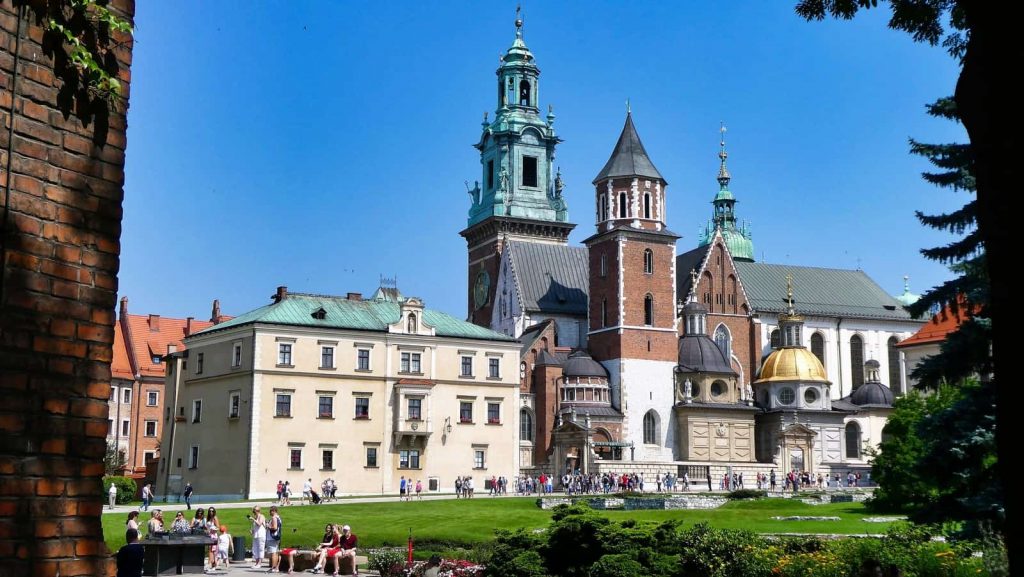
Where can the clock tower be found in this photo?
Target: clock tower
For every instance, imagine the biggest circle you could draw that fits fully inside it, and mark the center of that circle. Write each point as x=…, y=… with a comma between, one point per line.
x=520, y=194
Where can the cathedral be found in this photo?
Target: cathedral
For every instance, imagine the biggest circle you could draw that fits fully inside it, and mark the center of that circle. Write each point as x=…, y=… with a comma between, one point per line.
x=641, y=354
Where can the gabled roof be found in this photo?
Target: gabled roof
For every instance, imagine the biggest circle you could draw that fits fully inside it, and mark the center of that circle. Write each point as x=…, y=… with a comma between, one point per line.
x=938, y=328
x=296, y=309
x=690, y=260
x=826, y=292
x=629, y=157
x=120, y=366
x=552, y=278
x=151, y=334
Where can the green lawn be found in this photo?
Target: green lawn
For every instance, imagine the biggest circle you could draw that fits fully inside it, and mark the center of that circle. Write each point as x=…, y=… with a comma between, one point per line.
x=447, y=524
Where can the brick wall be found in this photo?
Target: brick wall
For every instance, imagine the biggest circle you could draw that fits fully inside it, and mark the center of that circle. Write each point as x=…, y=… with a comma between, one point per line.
x=61, y=246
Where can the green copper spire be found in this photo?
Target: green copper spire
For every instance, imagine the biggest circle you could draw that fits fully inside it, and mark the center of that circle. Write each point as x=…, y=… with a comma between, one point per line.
x=517, y=148
x=907, y=298
x=737, y=238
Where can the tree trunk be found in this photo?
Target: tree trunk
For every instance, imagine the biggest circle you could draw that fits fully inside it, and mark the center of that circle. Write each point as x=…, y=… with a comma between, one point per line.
x=983, y=99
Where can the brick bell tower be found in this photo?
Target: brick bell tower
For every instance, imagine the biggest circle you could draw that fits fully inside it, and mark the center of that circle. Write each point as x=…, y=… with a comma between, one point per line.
x=520, y=196
x=632, y=293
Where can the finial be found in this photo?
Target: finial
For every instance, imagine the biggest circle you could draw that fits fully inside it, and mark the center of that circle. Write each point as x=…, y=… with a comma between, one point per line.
x=693, y=277
x=519, y=21
x=485, y=122
x=628, y=109
x=906, y=283
x=551, y=114
x=789, y=291
x=723, y=172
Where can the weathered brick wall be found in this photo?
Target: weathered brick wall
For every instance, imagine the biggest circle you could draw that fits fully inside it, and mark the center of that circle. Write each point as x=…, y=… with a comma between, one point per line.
x=60, y=252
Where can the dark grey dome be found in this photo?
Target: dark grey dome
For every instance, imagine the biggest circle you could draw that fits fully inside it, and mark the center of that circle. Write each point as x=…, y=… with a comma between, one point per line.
x=872, y=394
x=580, y=364
x=700, y=354
x=694, y=308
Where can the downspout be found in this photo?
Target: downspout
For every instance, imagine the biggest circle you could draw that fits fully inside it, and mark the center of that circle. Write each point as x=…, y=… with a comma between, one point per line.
x=839, y=357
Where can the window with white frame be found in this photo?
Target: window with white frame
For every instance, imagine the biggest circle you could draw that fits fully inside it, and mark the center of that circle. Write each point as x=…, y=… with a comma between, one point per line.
x=326, y=407
x=150, y=428
x=234, y=404
x=326, y=357
x=193, y=457
x=371, y=456
x=283, y=406
x=284, y=354
x=152, y=397
x=110, y=427
x=479, y=458
x=415, y=409
x=467, y=366
x=148, y=456
x=362, y=408
x=410, y=363
x=493, y=413
x=113, y=394
x=409, y=459
x=327, y=460
x=494, y=368
x=125, y=427
x=197, y=410
x=199, y=363
x=294, y=457
x=363, y=359
x=466, y=411
x=126, y=396
x=236, y=354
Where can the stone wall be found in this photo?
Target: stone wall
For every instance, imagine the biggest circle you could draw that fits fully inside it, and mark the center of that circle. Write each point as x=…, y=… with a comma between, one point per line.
x=60, y=234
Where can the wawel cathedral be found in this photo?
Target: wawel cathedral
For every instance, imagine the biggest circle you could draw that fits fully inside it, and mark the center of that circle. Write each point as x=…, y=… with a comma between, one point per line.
x=640, y=353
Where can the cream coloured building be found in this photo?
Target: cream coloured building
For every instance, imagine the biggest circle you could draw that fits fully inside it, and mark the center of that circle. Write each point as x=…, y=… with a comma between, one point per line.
x=363, y=391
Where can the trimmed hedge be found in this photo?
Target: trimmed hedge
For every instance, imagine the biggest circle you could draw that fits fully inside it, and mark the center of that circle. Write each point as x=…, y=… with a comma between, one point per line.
x=127, y=489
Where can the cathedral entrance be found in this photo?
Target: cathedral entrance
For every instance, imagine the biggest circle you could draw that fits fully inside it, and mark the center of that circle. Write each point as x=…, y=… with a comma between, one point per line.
x=796, y=459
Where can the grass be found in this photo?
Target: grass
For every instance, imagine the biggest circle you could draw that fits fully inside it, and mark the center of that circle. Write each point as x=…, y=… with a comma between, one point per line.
x=443, y=525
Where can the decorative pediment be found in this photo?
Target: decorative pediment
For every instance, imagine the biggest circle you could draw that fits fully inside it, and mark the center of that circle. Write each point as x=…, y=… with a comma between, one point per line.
x=798, y=431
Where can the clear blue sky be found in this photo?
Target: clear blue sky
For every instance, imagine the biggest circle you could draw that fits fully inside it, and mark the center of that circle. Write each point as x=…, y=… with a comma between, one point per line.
x=320, y=145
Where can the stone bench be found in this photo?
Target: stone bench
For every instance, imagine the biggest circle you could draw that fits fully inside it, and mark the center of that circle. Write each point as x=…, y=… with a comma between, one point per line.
x=305, y=559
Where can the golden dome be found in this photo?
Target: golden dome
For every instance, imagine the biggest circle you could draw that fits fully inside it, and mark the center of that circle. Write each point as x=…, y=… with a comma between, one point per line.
x=792, y=364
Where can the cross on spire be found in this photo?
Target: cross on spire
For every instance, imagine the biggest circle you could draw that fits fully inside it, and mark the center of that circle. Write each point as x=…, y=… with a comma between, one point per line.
x=789, y=291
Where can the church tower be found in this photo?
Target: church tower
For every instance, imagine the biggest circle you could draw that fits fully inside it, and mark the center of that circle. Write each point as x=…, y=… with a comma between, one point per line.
x=737, y=238
x=632, y=293
x=520, y=194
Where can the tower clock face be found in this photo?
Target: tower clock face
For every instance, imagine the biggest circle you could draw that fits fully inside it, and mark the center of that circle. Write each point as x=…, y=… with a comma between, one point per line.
x=481, y=289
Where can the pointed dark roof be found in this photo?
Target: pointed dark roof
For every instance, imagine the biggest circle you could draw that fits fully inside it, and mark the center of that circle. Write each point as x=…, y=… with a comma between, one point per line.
x=629, y=157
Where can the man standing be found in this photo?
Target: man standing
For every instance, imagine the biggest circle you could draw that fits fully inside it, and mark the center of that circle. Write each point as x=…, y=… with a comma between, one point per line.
x=130, y=557
x=112, y=494
x=709, y=478
x=401, y=488
x=188, y=495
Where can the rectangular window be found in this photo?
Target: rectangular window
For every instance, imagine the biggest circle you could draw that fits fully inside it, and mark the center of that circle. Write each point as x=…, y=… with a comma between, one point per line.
x=199, y=363
x=467, y=366
x=371, y=456
x=415, y=409
x=415, y=367
x=478, y=459
x=604, y=265
x=493, y=413
x=404, y=366
x=494, y=368
x=326, y=407
x=193, y=457
x=362, y=408
x=126, y=396
x=490, y=174
x=236, y=355
x=466, y=412
x=234, y=405
x=113, y=393
x=530, y=171
x=197, y=410
x=410, y=363
x=284, y=354
x=110, y=427
x=148, y=456
x=326, y=357
x=151, y=398
x=294, y=458
x=363, y=360
x=409, y=459
x=150, y=428
x=284, y=405
x=328, y=460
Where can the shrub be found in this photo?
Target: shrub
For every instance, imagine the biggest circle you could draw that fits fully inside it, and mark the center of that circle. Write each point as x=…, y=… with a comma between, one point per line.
x=573, y=540
x=516, y=553
x=709, y=552
x=387, y=562
x=127, y=490
x=617, y=565
x=746, y=494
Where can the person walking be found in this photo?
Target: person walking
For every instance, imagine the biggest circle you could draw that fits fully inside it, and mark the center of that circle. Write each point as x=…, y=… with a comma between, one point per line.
x=188, y=496
x=419, y=489
x=112, y=494
x=146, y=496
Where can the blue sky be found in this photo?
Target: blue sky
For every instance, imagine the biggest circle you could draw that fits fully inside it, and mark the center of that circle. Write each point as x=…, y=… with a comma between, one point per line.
x=320, y=145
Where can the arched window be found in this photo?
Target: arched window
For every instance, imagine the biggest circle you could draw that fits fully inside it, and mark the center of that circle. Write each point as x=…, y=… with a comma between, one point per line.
x=894, y=366
x=857, y=360
x=525, y=425
x=651, y=428
x=818, y=347
x=622, y=205
x=524, y=93
x=774, y=339
x=724, y=341
x=853, y=440
x=647, y=205
x=648, y=310
x=412, y=323
x=604, y=208
x=648, y=261
x=733, y=293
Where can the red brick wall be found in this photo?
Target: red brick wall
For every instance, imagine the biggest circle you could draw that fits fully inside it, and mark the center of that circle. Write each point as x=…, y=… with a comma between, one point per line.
x=490, y=252
x=719, y=289
x=625, y=185
x=141, y=412
x=57, y=310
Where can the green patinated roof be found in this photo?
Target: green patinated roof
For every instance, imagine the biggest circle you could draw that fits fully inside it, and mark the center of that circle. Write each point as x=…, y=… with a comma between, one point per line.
x=297, y=309
x=724, y=194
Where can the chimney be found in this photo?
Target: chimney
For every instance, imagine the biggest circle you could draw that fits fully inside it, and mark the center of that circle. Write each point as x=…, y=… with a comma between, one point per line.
x=215, y=315
x=354, y=296
x=172, y=348
x=124, y=307
x=281, y=294
x=154, y=323
x=188, y=326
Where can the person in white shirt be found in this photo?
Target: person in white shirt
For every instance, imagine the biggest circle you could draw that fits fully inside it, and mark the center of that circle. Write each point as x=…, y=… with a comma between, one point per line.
x=112, y=494
x=307, y=491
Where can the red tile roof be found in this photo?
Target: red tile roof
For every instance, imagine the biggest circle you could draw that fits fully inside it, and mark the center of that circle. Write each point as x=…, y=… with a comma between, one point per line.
x=120, y=367
x=936, y=330
x=150, y=336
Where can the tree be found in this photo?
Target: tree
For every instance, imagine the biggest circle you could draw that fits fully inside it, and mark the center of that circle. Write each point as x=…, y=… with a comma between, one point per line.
x=113, y=460
x=983, y=36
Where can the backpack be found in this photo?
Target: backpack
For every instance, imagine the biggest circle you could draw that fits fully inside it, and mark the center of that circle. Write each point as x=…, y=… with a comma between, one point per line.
x=276, y=534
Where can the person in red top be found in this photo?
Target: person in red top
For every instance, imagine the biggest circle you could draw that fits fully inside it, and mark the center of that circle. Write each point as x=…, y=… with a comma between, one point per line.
x=326, y=546
x=346, y=548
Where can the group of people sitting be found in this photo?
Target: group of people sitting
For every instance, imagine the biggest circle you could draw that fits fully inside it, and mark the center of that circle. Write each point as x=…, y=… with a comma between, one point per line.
x=337, y=543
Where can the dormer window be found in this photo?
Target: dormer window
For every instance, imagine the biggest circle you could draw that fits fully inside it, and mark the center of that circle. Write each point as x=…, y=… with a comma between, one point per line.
x=156, y=359
x=319, y=314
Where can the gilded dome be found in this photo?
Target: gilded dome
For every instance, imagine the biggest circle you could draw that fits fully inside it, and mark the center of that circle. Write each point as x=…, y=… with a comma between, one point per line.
x=792, y=364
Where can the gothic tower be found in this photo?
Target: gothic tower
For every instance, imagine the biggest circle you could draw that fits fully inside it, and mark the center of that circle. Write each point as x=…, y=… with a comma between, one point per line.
x=632, y=293
x=737, y=237
x=520, y=195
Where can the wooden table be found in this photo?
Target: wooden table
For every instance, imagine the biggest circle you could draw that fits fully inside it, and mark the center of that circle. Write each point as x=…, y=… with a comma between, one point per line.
x=176, y=555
